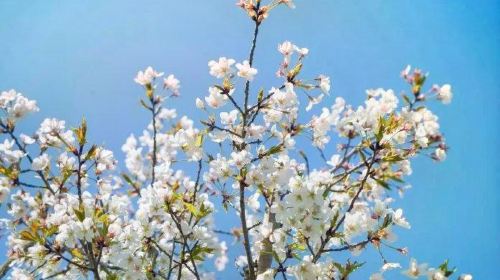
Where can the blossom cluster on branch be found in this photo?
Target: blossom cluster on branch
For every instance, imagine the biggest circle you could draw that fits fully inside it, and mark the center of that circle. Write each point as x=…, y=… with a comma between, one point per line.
x=73, y=214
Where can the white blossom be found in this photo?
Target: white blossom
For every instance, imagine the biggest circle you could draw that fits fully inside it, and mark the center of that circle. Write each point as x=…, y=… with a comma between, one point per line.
x=250, y=153
x=199, y=103
x=246, y=71
x=16, y=105
x=221, y=68
x=415, y=270
x=324, y=83
x=172, y=84
x=147, y=77
x=444, y=94
x=398, y=219
x=440, y=154
x=41, y=162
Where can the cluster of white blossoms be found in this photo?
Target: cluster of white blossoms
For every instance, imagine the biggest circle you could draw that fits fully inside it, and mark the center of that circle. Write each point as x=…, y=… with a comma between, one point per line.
x=15, y=105
x=72, y=214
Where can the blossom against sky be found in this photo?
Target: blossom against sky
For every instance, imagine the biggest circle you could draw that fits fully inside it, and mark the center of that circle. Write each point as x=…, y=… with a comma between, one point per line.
x=85, y=54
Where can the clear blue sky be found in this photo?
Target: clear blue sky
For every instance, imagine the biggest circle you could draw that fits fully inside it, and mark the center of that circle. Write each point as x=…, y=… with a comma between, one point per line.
x=78, y=58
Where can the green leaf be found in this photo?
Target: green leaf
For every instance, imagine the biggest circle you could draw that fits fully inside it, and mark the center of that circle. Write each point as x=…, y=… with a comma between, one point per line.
x=393, y=158
x=294, y=72
x=381, y=128
x=296, y=256
x=348, y=268
x=406, y=99
x=199, y=140
x=51, y=231
x=80, y=213
x=143, y=103
x=274, y=150
x=192, y=209
x=104, y=219
x=351, y=267
x=444, y=268
x=395, y=178
x=10, y=172
x=335, y=218
x=339, y=267
x=297, y=246
x=91, y=153
x=382, y=183
x=28, y=236
x=76, y=253
x=129, y=180
x=198, y=252
x=260, y=96
x=275, y=256
x=111, y=276
x=387, y=221
x=149, y=91
x=81, y=133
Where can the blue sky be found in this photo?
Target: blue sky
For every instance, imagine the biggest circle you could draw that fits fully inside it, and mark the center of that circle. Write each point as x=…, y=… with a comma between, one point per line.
x=78, y=58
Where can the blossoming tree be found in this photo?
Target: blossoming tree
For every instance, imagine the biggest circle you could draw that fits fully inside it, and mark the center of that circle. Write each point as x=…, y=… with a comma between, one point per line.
x=72, y=215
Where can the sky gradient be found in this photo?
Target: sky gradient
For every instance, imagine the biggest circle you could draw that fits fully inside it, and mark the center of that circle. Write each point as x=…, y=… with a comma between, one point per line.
x=78, y=58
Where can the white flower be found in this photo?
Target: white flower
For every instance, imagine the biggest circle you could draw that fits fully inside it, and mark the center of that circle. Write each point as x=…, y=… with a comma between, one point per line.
x=398, y=219
x=26, y=139
x=241, y=261
x=440, y=154
x=324, y=83
x=286, y=48
x=444, y=94
x=246, y=71
x=313, y=101
x=41, y=162
x=465, y=277
x=229, y=118
x=172, y=84
x=215, y=99
x=256, y=131
x=415, y=270
x=220, y=262
x=7, y=154
x=435, y=274
x=253, y=202
x=4, y=188
x=16, y=105
x=240, y=159
x=390, y=266
x=334, y=161
x=20, y=274
x=167, y=114
x=199, y=103
x=221, y=68
x=266, y=275
x=406, y=71
x=114, y=229
x=301, y=51
x=6, y=97
x=21, y=107
x=304, y=270
x=104, y=159
x=147, y=77
x=66, y=162
x=51, y=130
